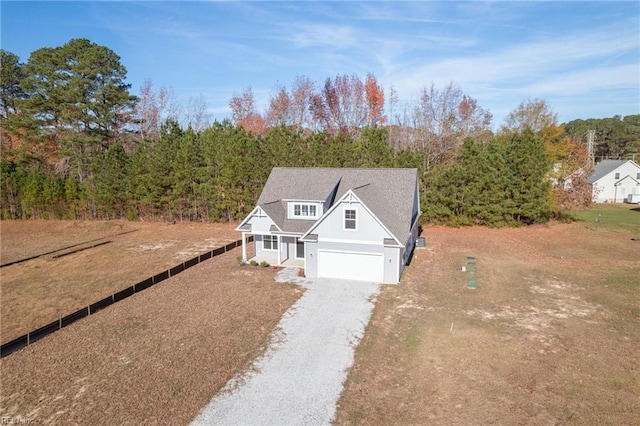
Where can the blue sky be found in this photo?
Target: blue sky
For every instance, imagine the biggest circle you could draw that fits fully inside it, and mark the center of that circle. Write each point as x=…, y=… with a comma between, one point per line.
x=583, y=58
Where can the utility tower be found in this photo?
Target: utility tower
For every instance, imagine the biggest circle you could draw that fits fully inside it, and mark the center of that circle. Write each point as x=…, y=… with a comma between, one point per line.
x=591, y=136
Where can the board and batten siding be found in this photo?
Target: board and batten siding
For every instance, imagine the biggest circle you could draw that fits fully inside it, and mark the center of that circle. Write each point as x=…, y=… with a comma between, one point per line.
x=368, y=229
x=257, y=244
x=260, y=223
x=368, y=237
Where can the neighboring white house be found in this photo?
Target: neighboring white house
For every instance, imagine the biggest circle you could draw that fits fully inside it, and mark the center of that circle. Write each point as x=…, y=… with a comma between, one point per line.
x=358, y=224
x=613, y=181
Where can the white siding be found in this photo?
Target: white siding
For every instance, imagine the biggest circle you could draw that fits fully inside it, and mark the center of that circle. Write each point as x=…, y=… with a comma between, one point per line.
x=605, y=190
x=392, y=265
x=257, y=245
x=368, y=230
x=259, y=248
x=260, y=222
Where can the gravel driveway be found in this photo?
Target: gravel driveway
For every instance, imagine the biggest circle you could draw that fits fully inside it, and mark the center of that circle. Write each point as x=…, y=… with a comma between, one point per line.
x=299, y=379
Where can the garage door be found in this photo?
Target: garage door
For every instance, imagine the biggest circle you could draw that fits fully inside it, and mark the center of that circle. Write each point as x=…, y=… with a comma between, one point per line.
x=351, y=266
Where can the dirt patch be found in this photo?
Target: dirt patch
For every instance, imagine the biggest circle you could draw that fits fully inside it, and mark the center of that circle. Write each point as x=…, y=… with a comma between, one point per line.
x=157, y=357
x=42, y=290
x=550, y=336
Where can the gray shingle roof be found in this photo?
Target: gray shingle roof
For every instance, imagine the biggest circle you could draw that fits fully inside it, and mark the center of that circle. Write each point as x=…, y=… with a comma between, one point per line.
x=605, y=167
x=388, y=193
x=298, y=183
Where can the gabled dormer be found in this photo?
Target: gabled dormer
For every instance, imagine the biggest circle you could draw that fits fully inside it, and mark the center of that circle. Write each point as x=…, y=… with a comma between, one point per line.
x=310, y=209
x=304, y=209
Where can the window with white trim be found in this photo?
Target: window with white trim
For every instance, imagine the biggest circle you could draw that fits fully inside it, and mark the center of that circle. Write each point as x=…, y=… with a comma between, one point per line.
x=617, y=176
x=305, y=210
x=270, y=242
x=350, y=219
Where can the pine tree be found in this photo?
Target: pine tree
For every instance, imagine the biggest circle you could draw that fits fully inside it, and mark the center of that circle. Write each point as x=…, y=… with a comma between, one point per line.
x=376, y=151
x=31, y=194
x=73, y=197
x=76, y=95
x=110, y=183
x=12, y=177
x=529, y=166
x=186, y=173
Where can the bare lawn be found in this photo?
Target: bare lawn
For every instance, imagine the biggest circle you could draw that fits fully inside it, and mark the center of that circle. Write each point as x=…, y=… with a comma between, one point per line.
x=42, y=290
x=159, y=356
x=551, y=335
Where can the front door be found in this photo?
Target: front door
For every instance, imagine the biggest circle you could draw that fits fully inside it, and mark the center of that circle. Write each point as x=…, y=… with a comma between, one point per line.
x=299, y=249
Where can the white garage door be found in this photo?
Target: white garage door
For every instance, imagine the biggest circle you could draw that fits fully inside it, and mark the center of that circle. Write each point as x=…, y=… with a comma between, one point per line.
x=351, y=266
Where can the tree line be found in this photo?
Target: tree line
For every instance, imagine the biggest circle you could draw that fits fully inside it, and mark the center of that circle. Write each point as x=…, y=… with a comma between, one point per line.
x=77, y=144
x=218, y=174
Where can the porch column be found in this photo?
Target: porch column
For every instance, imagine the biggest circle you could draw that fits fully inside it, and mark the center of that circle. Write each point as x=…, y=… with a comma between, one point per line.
x=279, y=242
x=244, y=247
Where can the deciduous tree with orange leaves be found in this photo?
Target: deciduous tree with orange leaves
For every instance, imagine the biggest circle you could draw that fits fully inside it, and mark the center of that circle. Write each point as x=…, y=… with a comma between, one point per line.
x=244, y=114
x=346, y=104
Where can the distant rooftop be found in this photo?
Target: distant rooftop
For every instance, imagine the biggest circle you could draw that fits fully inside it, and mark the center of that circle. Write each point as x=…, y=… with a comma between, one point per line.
x=605, y=167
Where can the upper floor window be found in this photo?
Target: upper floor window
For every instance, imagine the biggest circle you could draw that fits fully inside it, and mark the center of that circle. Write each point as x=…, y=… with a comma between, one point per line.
x=349, y=219
x=305, y=210
x=617, y=176
x=638, y=176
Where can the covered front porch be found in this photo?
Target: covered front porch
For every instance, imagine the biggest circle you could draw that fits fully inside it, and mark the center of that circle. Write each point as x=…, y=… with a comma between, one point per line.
x=275, y=249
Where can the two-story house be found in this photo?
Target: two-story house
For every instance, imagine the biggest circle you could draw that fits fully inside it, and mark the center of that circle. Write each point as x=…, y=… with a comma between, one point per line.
x=613, y=181
x=358, y=224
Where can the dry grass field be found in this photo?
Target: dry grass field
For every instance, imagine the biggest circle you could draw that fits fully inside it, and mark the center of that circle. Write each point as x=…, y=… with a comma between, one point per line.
x=38, y=291
x=550, y=336
x=155, y=358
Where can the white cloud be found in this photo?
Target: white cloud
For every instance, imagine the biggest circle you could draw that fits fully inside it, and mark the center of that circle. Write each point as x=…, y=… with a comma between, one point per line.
x=588, y=80
x=530, y=65
x=333, y=36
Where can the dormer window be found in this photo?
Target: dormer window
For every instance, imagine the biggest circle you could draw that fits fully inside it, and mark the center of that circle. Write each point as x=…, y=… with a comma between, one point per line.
x=305, y=210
